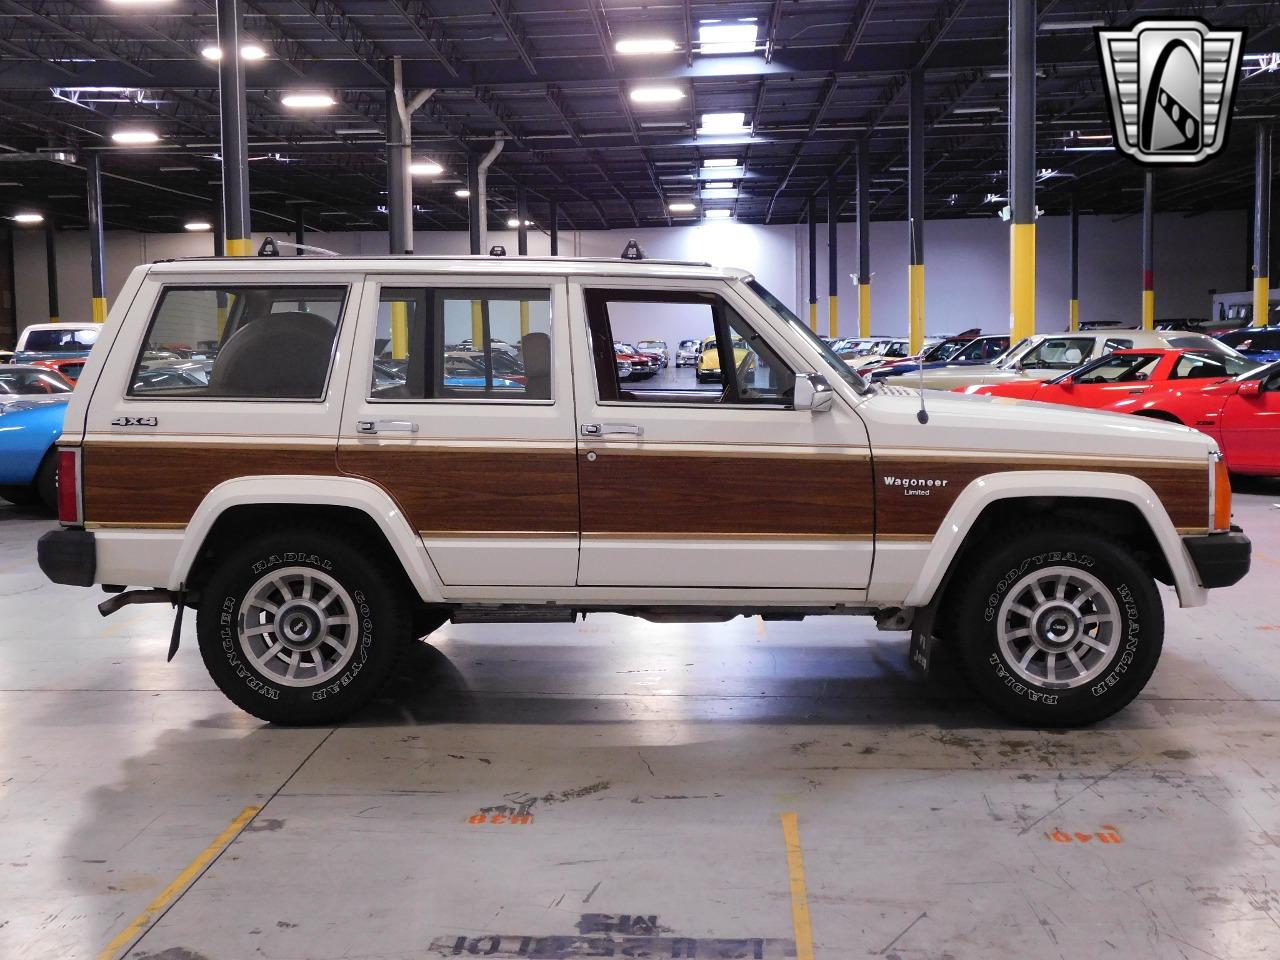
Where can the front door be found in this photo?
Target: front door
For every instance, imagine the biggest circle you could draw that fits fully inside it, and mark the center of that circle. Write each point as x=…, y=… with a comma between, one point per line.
x=1250, y=427
x=706, y=476
x=461, y=406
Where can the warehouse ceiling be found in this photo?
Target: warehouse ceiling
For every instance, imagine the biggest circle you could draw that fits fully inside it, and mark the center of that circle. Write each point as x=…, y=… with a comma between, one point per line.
x=545, y=75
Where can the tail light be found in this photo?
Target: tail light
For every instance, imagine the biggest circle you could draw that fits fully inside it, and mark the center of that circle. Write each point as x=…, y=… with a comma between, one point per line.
x=70, y=504
x=1219, y=494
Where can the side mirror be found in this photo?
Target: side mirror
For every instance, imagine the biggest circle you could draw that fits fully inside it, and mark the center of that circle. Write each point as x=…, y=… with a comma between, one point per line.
x=813, y=393
x=1250, y=388
x=1068, y=383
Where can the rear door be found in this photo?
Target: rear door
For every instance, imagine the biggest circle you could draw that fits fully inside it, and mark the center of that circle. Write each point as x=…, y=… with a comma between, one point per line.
x=460, y=404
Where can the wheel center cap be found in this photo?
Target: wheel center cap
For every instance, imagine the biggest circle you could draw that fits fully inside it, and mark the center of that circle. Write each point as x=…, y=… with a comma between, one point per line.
x=1056, y=627
x=299, y=624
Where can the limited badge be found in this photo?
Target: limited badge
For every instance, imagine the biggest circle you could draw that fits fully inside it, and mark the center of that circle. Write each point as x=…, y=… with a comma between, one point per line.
x=1170, y=86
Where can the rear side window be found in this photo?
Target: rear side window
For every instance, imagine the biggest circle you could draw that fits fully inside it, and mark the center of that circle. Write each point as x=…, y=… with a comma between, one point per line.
x=240, y=342
x=68, y=340
x=461, y=343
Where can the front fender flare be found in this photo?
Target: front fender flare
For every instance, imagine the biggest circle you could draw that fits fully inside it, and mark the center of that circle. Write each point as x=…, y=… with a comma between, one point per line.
x=986, y=490
x=349, y=492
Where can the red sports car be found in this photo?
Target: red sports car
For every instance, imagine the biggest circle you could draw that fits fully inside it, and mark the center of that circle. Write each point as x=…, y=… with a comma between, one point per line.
x=1123, y=375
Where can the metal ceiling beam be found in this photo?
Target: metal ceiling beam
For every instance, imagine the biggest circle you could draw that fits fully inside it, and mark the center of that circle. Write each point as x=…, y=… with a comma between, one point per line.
x=335, y=22
x=515, y=33
x=424, y=23
x=857, y=26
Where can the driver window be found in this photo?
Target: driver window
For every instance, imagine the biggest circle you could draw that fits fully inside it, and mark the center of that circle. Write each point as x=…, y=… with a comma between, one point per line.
x=729, y=363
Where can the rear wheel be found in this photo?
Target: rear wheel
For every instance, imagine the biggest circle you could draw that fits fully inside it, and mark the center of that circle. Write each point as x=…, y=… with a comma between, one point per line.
x=1058, y=627
x=300, y=627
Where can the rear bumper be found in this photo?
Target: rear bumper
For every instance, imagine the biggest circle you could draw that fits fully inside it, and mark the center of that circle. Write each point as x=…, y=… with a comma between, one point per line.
x=1220, y=559
x=68, y=556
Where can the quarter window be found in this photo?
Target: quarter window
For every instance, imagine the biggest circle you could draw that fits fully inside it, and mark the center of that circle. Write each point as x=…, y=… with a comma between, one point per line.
x=462, y=344
x=240, y=342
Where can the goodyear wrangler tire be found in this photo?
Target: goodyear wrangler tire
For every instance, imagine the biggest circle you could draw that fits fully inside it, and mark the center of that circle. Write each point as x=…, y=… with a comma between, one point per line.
x=1058, y=627
x=300, y=627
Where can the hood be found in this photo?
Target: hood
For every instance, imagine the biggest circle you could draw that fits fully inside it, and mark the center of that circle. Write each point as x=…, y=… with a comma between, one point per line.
x=1022, y=388
x=1022, y=426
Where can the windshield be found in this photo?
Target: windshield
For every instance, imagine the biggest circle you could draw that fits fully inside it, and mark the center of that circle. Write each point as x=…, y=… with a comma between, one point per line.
x=838, y=366
x=653, y=345
x=1252, y=340
x=1117, y=368
x=1058, y=353
x=944, y=350
x=70, y=340
x=24, y=380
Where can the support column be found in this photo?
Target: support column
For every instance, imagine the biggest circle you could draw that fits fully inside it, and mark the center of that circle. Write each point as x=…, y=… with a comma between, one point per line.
x=522, y=215
x=475, y=212
x=813, y=265
x=1148, y=249
x=1262, y=228
x=51, y=266
x=864, y=238
x=1074, y=243
x=554, y=228
x=235, y=131
x=396, y=179
x=1022, y=169
x=915, y=210
x=833, y=218
x=299, y=228
x=97, y=261
x=219, y=236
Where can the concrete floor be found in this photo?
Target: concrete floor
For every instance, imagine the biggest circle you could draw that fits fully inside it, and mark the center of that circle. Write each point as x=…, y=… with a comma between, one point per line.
x=653, y=764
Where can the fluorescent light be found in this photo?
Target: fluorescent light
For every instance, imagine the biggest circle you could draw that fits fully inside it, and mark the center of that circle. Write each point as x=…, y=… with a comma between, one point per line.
x=355, y=131
x=307, y=100
x=1054, y=26
x=727, y=38
x=425, y=168
x=644, y=45
x=991, y=109
x=682, y=207
x=1086, y=149
x=1093, y=136
x=462, y=194
x=718, y=214
x=656, y=94
x=194, y=225
x=135, y=136
x=718, y=185
x=28, y=218
x=720, y=162
x=513, y=223
x=250, y=51
x=723, y=123
x=184, y=168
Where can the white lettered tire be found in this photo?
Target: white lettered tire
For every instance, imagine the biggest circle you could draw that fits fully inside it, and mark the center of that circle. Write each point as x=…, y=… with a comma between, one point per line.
x=300, y=627
x=1057, y=626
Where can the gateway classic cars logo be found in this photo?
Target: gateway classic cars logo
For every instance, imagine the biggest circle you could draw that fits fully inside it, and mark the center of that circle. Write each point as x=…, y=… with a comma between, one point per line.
x=1170, y=85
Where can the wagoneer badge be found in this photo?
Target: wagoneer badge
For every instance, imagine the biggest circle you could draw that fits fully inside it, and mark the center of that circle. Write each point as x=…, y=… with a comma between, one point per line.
x=914, y=486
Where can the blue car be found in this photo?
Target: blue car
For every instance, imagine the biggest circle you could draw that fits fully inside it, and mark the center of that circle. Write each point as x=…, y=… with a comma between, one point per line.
x=1261, y=344
x=33, y=402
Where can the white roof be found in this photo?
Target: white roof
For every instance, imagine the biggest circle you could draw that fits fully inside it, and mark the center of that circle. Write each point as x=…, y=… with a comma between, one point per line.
x=562, y=266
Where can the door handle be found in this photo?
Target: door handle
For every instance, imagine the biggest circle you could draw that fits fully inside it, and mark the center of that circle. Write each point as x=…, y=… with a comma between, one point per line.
x=614, y=429
x=386, y=426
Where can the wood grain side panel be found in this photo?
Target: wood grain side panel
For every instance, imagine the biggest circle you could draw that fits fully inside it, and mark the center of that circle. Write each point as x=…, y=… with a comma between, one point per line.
x=903, y=513
x=164, y=483
x=692, y=496
x=495, y=490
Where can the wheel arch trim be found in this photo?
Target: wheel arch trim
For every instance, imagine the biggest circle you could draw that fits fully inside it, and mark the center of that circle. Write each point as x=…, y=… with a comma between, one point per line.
x=344, y=492
x=1058, y=484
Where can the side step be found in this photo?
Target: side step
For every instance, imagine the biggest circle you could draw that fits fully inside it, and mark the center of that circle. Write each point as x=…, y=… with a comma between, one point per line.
x=514, y=613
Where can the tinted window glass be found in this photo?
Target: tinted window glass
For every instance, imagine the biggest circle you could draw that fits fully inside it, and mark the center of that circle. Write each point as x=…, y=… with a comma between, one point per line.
x=462, y=344
x=28, y=380
x=70, y=340
x=1119, y=368
x=1058, y=353
x=1215, y=365
x=266, y=343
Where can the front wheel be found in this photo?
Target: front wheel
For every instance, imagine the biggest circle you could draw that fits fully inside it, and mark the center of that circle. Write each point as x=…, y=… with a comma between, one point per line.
x=1058, y=627
x=299, y=627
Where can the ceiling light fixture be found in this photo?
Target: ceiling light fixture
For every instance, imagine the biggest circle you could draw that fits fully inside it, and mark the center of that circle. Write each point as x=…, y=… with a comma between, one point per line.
x=135, y=136
x=28, y=218
x=718, y=185
x=720, y=162
x=462, y=194
x=513, y=223
x=250, y=51
x=425, y=168
x=1058, y=26
x=718, y=123
x=194, y=225
x=718, y=214
x=356, y=131
x=718, y=38
x=991, y=109
x=656, y=94
x=640, y=45
x=307, y=100
x=682, y=207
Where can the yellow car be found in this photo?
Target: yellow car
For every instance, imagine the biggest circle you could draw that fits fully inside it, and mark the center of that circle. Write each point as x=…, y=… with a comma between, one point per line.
x=709, y=359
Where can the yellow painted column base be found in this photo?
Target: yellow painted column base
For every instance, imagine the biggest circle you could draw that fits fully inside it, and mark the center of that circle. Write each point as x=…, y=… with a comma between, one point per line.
x=1148, y=309
x=99, y=307
x=813, y=316
x=399, y=330
x=915, y=306
x=1074, y=314
x=1022, y=281
x=239, y=248
x=477, y=326
x=1261, y=300
x=864, y=310
x=524, y=319
x=833, y=316
x=54, y=320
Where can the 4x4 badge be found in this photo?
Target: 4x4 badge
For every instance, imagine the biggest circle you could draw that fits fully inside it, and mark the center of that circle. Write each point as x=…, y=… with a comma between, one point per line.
x=134, y=422
x=1170, y=85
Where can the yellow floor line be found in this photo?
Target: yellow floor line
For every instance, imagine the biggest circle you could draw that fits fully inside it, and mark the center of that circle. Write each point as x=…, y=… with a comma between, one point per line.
x=799, y=895
x=170, y=893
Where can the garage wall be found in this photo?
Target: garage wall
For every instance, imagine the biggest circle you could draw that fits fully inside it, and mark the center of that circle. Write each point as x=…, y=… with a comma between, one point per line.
x=966, y=264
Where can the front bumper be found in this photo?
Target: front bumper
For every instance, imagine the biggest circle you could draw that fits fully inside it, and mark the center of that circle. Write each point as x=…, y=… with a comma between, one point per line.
x=68, y=556
x=1220, y=559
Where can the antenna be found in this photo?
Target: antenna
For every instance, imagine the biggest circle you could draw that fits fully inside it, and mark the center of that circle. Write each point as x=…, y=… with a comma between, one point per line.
x=922, y=414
